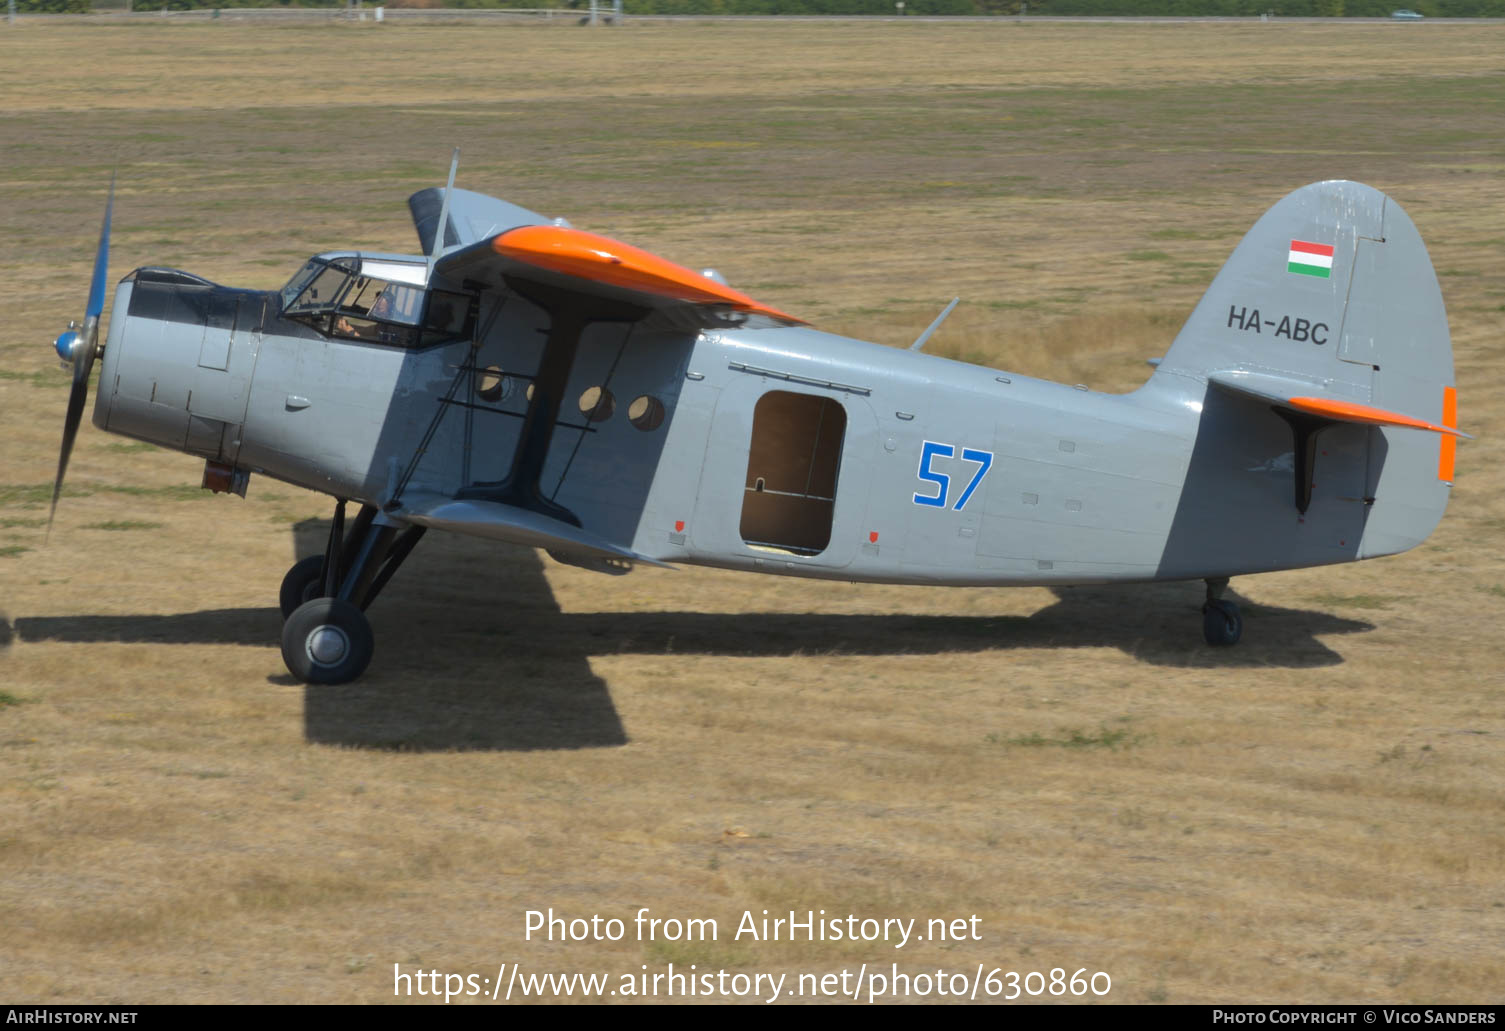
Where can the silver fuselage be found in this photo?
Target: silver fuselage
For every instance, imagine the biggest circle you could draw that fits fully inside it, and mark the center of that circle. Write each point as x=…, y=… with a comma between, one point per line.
x=913, y=468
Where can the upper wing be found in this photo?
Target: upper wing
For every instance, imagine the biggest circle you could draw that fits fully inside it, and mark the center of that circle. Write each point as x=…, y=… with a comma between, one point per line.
x=596, y=266
x=472, y=217
x=486, y=239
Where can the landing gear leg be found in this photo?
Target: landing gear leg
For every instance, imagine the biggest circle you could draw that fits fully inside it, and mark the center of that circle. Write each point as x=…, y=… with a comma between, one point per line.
x=1221, y=623
x=326, y=638
x=305, y=581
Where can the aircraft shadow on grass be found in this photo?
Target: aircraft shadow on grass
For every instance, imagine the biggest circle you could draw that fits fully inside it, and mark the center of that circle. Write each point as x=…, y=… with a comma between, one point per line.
x=476, y=653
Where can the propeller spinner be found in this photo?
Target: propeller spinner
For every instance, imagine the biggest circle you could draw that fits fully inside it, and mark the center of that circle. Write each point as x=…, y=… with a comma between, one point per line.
x=79, y=348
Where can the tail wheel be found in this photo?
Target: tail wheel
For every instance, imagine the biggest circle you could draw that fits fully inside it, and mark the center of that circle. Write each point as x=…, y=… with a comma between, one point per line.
x=327, y=641
x=1222, y=625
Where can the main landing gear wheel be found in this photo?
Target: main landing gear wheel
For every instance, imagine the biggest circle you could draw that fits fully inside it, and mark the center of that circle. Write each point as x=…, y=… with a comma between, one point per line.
x=1221, y=623
x=303, y=583
x=326, y=638
x=327, y=641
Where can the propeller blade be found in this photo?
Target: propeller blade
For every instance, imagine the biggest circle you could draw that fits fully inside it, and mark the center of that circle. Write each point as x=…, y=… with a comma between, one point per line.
x=76, y=398
x=83, y=355
x=101, y=258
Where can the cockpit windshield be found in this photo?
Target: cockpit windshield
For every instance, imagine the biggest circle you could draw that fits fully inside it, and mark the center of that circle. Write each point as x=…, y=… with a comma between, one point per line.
x=331, y=276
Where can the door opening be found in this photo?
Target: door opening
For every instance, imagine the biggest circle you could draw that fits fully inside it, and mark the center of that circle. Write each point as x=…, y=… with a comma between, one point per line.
x=789, y=497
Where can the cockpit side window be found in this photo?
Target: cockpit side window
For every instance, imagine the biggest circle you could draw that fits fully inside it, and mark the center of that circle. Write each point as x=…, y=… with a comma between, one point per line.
x=379, y=299
x=374, y=309
x=451, y=316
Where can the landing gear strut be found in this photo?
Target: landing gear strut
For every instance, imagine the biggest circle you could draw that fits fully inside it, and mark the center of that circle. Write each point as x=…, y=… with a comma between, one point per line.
x=1221, y=623
x=326, y=638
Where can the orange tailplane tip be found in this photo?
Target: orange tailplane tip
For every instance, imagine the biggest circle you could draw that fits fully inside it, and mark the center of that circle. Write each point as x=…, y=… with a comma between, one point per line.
x=1449, y=452
x=1348, y=411
x=573, y=252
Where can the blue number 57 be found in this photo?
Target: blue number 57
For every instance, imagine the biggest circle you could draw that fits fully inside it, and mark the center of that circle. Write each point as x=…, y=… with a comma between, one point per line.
x=929, y=453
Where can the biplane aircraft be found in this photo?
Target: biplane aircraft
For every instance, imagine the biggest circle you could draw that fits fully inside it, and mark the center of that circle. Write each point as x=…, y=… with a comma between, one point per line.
x=530, y=382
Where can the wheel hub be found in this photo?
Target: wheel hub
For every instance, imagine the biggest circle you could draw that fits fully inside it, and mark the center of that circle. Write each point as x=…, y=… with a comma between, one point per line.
x=328, y=645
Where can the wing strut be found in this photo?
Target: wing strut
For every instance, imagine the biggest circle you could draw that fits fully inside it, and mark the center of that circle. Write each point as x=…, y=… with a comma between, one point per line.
x=570, y=312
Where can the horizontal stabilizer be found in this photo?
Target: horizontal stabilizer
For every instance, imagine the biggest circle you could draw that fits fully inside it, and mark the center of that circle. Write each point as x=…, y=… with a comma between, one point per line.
x=515, y=525
x=1305, y=395
x=1347, y=411
x=1263, y=386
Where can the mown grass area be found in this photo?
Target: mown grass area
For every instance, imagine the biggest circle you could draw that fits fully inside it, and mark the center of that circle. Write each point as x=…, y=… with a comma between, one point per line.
x=1311, y=816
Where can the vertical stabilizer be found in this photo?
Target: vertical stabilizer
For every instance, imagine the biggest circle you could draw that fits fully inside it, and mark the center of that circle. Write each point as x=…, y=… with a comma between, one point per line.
x=1327, y=317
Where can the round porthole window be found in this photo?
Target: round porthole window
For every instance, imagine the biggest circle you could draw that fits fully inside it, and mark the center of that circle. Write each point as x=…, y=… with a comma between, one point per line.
x=646, y=413
x=597, y=404
x=492, y=384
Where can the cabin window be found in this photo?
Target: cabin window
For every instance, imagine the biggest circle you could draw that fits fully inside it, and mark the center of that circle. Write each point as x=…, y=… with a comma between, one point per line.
x=492, y=384
x=789, y=496
x=450, y=316
x=646, y=413
x=597, y=404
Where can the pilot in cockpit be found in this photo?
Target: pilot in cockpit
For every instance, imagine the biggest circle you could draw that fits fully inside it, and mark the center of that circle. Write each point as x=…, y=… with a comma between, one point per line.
x=384, y=307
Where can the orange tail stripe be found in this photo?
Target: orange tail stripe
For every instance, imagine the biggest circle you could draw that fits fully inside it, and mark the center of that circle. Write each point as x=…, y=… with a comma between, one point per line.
x=1351, y=412
x=1449, y=450
x=573, y=252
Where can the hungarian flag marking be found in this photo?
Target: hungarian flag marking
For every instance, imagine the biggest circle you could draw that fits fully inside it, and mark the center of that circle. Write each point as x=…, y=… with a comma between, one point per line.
x=1310, y=259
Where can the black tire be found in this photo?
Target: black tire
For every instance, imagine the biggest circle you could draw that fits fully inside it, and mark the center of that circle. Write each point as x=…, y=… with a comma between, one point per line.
x=1222, y=625
x=304, y=582
x=327, y=641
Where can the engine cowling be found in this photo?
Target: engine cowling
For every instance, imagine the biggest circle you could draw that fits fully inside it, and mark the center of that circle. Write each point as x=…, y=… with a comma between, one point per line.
x=178, y=361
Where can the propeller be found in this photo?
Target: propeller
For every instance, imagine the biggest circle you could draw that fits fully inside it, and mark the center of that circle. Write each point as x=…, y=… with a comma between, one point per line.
x=78, y=347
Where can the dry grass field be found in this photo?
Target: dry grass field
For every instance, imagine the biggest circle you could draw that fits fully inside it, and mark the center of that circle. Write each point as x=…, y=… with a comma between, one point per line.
x=1315, y=815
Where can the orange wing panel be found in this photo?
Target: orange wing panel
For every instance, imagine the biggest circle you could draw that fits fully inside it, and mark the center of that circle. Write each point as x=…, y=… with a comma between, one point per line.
x=1348, y=411
x=573, y=252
